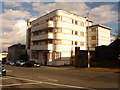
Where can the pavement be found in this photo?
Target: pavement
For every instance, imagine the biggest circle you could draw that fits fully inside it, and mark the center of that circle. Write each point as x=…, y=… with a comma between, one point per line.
x=99, y=69
x=45, y=77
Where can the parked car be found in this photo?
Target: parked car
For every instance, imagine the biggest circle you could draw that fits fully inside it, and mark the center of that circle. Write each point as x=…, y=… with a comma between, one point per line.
x=2, y=71
x=12, y=63
x=8, y=62
x=19, y=63
x=31, y=64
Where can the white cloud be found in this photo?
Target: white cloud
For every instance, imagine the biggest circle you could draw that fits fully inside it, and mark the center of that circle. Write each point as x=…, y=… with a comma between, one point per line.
x=12, y=4
x=102, y=14
x=70, y=6
x=14, y=25
x=17, y=35
x=13, y=14
x=13, y=29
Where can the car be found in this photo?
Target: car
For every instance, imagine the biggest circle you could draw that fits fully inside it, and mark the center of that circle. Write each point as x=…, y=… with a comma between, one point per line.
x=20, y=63
x=12, y=63
x=8, y=62
x=31, y=64
x=2, y=71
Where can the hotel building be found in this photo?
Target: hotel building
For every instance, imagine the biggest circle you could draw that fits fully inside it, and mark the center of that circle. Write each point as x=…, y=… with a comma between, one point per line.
x=52, y=38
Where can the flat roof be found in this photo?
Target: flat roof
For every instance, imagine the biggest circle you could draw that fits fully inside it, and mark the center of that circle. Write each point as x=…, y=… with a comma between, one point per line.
x=65, y=11
x=101, y=26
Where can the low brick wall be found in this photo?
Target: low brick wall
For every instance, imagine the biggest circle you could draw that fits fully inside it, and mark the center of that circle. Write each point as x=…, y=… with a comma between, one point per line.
x=105, y=63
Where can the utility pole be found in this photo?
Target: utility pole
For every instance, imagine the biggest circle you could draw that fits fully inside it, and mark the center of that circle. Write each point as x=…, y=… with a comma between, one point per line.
x=88, y=40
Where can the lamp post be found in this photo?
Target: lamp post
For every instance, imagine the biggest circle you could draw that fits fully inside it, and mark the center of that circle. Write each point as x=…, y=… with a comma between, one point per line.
x=88, y=40
x=88, y=48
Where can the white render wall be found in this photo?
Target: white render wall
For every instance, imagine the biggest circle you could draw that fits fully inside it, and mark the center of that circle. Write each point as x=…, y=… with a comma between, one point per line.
x=44, y=36
x=65, y=35
x=103, y=36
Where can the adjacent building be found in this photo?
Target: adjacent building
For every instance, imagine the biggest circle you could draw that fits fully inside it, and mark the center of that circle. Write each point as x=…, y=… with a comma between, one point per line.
x=3, y=54
x=99, y=35
x=16, y=52
x=52, y=38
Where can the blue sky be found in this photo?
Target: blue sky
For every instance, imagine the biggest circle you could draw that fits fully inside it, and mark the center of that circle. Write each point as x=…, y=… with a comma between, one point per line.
x=15, y=14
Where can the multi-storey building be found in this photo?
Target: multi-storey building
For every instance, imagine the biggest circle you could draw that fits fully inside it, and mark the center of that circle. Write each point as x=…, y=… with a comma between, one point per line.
x=52, y=38
x=17, y=52
x=98, y=35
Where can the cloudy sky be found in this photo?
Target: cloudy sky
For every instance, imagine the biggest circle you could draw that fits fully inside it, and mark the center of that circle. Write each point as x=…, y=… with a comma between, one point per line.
x=14, y=15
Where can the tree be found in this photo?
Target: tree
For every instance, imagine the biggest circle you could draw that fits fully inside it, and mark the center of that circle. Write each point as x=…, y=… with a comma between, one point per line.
x=117, y=33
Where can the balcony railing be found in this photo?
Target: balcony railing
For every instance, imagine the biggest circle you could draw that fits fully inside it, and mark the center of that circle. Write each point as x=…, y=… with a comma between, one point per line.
x=43, y=25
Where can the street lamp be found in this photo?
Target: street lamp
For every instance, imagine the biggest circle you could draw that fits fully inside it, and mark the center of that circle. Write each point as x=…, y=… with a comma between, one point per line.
x=88, y=40
x=88, y=48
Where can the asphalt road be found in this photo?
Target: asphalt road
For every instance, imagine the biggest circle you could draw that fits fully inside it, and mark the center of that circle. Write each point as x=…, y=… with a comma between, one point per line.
x=57, y=78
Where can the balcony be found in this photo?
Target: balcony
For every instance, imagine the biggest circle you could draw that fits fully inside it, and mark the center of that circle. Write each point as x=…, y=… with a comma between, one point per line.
x=42, y=47
x=48, y=24
x=44, y=36
x=92, y=33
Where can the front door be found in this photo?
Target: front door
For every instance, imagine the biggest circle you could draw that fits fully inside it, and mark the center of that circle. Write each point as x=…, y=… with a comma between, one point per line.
x=45, y=58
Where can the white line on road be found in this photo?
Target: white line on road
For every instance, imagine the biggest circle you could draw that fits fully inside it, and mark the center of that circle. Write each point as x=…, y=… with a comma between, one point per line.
x=49, y=79
x=8, y=70
x=6, y=77
x=26, y=79
x=55, y=84
x=17, y=84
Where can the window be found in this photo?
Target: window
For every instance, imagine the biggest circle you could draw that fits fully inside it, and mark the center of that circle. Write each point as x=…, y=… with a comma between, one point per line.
x=46, y=31
x=76, y=22
x=59, y=30
x=75, y=42
x=57, y=41
x=46, y=42
x=72, y=21
x=93, y=45
x=51, y=19
x=55, y=30
x=59, y=18
x=93, y=37
x=50, y=41
x=82, y=43
x=76, y=33
x=35, y=42
x=72, y=32
x=51, y=30
x=93, y=29
x=81, y=33
x=57, y=55
x=81, y=23
x=72, y=43
x=34, y=55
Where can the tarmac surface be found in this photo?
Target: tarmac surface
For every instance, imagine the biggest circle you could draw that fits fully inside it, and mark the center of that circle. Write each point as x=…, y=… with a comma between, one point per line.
x=58, y=78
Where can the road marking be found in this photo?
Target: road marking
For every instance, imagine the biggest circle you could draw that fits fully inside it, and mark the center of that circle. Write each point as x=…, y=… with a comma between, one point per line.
x=49, y=79
x=8, y=70
x=6, y=77
x=55, y=84
x=26, y=79
x=8, y=85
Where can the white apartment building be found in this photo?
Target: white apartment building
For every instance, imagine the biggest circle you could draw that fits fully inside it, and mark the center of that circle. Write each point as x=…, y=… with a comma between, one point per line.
x=98, y=35
x=52, y=38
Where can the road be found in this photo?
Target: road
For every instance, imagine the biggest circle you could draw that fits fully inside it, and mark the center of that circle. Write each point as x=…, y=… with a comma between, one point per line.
x=57, y=77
